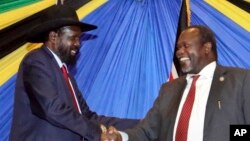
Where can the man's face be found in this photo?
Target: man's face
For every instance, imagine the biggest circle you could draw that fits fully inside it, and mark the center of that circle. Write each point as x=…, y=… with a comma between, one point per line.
x=190, y=52
x=68, y=44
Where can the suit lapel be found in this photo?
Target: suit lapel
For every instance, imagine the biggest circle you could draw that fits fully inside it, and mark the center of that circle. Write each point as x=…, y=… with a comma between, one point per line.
x=177, y=99
x=47, y=51
x=63, y=87
x=214, y=96
x=175, y=102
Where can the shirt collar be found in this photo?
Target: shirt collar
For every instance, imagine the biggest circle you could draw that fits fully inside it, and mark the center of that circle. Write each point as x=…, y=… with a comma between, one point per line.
x=206, y=72
x=58, y=60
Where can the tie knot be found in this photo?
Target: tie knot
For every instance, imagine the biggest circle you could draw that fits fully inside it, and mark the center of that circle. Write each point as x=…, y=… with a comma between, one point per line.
x=195, y=78
x=64, y=69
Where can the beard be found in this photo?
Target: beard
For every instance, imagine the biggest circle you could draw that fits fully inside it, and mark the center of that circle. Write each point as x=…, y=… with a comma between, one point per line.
x=64, y=53
x=70, y=60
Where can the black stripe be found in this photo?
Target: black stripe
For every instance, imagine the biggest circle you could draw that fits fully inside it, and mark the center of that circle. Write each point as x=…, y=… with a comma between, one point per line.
x=182, y=24
x=244, y=5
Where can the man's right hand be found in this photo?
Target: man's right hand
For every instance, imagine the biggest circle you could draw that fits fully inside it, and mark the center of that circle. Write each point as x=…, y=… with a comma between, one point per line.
x=111, y=135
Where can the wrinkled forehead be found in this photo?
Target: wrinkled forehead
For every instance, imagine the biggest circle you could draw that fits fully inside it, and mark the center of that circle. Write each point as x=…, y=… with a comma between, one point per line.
x=189, y=35
x=191, y=32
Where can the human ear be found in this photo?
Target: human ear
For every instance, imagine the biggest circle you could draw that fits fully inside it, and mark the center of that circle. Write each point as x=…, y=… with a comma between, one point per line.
x=52, y=36
x=208, y=47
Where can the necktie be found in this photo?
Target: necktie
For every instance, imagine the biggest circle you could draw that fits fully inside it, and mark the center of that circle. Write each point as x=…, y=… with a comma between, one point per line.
x=72, y=92
x=182, y=127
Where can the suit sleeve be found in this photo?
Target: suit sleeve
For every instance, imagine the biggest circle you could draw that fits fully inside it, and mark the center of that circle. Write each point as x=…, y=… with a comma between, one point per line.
x=149, y=127
x=45, y=101
x=119, y=123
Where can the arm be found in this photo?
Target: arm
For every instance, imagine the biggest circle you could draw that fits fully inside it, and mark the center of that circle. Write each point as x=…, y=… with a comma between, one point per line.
x=149, y=127
x=119, y=123
x=147, y=130
x=158, y=123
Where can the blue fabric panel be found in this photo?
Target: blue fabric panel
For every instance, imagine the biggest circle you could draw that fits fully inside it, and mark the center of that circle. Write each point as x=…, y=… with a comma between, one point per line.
x=233, y=41
x=129, y=56
x=6, y=107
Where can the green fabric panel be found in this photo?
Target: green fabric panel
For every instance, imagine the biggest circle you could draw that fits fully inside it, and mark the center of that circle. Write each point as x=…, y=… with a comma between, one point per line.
x=7, y=5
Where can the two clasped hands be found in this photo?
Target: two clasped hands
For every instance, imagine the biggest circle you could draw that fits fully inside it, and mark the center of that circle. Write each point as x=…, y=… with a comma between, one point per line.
x=110, y=134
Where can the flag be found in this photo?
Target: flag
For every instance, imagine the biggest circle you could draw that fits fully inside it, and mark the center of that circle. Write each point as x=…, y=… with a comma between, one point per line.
x=174, y=73
x=184, y=21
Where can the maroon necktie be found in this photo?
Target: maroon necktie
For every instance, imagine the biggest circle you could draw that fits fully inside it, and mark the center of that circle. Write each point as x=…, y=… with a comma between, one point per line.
x=182, y=128
x=72, y=92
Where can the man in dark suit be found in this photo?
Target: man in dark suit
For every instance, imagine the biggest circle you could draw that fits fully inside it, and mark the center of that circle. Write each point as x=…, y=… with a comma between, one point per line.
x=48, y=105
x=222, y=97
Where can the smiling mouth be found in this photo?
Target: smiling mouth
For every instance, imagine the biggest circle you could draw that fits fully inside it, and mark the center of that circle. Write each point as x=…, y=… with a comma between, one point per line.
x=73, y=52
x=183, y=59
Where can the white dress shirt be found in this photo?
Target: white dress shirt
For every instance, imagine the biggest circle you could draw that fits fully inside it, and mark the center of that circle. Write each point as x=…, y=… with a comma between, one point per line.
x=58, y=60
x=60, y=64
x=203, y=85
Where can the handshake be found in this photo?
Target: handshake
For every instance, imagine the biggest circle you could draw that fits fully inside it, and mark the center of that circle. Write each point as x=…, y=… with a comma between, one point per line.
x=110, y=134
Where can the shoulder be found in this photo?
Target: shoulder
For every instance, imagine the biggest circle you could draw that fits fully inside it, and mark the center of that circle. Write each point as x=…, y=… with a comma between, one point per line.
x=232, y=70
x=232, y=73
x=37, y=55
x=175, y=82
x=174, y=86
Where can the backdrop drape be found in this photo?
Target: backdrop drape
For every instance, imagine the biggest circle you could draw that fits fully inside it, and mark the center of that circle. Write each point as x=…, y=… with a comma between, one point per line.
x=124, y=62
x=129, y=56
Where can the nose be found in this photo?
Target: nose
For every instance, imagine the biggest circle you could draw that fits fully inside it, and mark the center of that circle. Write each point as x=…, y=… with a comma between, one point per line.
x=179, y=52
x=77, y=43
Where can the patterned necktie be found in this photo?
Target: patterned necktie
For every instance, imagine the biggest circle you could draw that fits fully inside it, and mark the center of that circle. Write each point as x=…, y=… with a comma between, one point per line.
x=72, y=92
x=182, y=128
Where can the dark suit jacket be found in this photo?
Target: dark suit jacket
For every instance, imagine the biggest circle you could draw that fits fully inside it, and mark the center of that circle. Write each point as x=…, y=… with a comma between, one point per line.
x=233, y=93
x=43, y=107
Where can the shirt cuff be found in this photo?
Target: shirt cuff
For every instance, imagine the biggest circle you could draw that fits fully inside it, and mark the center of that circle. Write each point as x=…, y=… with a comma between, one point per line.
x=124, y=136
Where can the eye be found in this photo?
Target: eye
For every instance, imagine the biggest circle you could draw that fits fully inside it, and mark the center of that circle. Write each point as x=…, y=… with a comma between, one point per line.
x=182, y=46
x=178, y=47
x=74, y=38
x=186, y=45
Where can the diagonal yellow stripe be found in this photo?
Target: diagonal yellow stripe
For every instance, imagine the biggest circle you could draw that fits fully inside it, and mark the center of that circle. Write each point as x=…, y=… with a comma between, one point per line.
x=233, y=12
x=89, y=7
x=19, y=14
x=10, y=63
